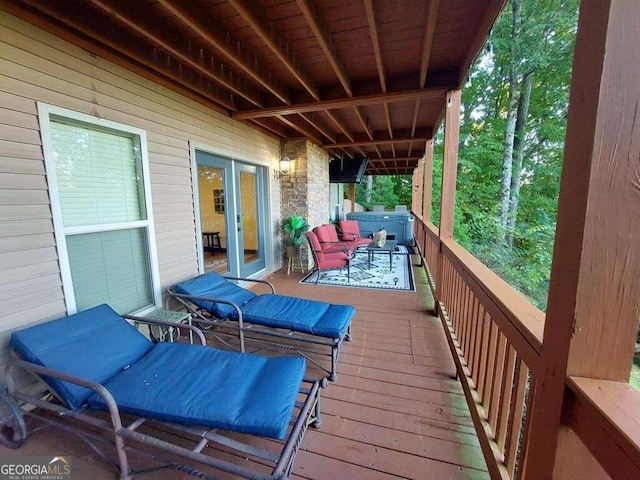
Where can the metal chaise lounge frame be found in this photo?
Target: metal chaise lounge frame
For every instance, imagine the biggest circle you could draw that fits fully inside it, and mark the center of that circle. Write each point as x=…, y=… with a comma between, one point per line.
x=242, y=322
x=62, y=404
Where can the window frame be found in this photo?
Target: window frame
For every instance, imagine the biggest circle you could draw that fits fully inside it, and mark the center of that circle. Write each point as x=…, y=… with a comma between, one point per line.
x=45, y=112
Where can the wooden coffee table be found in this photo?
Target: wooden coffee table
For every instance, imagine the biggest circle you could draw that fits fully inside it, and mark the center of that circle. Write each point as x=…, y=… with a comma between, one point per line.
x=389, y=247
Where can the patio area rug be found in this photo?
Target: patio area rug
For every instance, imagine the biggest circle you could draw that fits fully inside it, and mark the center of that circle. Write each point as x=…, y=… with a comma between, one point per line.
x=378, y=276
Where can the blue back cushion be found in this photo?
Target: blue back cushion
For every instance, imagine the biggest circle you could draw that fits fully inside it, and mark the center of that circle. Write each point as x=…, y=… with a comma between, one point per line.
x=94, y=344
x=215, y=286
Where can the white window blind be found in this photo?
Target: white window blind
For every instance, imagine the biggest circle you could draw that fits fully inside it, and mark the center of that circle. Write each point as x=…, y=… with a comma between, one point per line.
x=110, y=267
x=99, y=201
x=98, y=175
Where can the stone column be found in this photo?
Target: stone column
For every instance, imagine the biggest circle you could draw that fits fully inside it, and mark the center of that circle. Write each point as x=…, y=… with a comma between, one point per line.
x=305, y=191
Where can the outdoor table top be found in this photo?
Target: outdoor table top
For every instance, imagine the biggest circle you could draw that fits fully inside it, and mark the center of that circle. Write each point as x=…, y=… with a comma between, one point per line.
x=389, y=246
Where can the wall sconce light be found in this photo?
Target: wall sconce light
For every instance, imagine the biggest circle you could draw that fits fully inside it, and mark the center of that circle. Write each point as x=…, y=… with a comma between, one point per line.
x=285, y=168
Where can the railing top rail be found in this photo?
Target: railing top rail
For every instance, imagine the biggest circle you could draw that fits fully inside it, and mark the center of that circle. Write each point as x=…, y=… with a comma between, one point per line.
x=608, y=413
x=525, y=317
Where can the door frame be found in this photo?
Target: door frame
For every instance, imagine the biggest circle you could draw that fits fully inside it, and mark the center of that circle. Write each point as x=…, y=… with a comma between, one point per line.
x=227, y=154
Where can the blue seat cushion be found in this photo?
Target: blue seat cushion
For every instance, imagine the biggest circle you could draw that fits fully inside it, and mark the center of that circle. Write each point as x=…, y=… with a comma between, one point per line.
x=198, y=385
x=299, y=314
x=215, y=286
x=94, y=344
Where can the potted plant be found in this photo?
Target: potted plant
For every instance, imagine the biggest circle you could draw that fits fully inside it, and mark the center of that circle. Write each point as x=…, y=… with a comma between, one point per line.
x=294, y=228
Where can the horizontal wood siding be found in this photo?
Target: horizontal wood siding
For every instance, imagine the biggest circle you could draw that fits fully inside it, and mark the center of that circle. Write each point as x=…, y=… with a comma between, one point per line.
x=38, y=67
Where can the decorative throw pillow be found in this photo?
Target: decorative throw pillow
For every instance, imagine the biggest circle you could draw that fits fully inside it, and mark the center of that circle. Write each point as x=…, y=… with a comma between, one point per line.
x=380, y=238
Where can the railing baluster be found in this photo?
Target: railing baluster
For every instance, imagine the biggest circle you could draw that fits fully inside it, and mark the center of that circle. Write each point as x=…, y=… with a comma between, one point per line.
x=484, y=354
x=464, y=318
x=490, y=352
x=496, y=381
x=473, y=332
x=458, y=303
x=491, y=366
x=467, y=321
x=505, y=408
x=515, y=427
x=480, y=328
x=453, y=313
x=445, y=284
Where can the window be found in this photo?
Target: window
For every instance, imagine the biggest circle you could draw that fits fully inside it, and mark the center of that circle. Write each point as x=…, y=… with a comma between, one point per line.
x=99, y=187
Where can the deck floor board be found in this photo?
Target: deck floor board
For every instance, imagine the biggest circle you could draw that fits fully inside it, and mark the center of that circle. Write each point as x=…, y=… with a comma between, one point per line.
x=395, y=412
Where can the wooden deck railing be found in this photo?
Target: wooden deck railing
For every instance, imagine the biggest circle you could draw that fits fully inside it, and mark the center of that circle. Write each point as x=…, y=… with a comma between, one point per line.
x=496, y=336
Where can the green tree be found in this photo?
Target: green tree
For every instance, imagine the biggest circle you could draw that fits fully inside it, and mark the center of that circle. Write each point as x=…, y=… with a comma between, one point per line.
x=382, y=192
x=512, y=133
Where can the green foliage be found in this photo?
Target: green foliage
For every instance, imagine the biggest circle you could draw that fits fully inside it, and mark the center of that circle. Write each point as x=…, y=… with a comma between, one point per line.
x=387, y=190
x=402, y=188
x=544, y=49
x=382, y=193
x=294, y=228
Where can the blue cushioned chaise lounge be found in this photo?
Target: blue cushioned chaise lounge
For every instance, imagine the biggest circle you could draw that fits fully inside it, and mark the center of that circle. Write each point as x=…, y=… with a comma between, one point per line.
x=96, y=360
x=214, y=299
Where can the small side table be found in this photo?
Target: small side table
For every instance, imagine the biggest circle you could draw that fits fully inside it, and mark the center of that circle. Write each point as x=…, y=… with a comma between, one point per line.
x=168, y=316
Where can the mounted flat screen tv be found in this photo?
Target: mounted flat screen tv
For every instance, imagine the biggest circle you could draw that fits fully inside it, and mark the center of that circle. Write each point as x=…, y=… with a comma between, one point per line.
x=347, y=170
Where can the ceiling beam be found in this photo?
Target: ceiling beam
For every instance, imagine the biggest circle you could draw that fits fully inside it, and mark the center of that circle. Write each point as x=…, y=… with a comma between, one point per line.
x=338, y=123
x=427, y=44
x=387, y=116
x=492, y=10
x=231, y=49
x=399, y=137
x=311, y=14
x=363, y=122
x=196, y=64
x=386, y=160
x=338, y=153
x=309, y=118
x=365, y=126
x=446, y=78
x=144, y=65
x=252, y=13
x=269, y=125
x=403, y=154
x=390, y=168
x=294, y=123
x=373, y=30
x=372, y=99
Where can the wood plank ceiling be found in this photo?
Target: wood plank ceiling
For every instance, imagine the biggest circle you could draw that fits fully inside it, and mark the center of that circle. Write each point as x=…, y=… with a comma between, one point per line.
x=358, y=77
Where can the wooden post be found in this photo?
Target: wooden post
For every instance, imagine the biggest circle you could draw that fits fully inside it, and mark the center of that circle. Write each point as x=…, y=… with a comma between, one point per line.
x=449, y=173
x=352, y=196
x=593, y=309
x=416, y=190
x=428, y=181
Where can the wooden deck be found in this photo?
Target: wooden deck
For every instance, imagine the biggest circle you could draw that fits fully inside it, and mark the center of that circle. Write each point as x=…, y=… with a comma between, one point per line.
x=396, y=410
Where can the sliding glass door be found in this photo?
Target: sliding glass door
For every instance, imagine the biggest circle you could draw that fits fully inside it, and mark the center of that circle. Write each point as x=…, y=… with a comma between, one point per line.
x=231, y=215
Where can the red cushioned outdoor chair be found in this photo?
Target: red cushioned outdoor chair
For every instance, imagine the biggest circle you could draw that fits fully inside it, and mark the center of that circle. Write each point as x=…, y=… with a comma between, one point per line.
x=331, y=243
x=328, y=260
x=351, y=233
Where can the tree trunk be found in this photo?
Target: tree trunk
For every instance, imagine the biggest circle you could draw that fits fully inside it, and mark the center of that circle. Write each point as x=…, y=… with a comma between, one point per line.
x=369, y=189
x=510, y=127
x=518, y=150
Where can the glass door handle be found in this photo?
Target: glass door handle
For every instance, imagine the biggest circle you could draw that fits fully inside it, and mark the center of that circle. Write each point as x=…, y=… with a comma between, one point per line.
x=239, y=220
